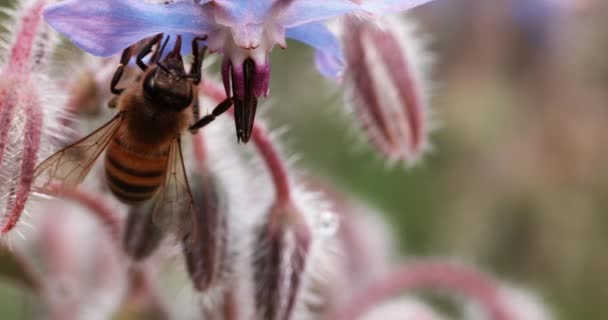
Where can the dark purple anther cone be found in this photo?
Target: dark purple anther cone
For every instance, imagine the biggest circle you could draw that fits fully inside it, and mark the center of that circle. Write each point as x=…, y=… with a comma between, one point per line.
x=248, y=82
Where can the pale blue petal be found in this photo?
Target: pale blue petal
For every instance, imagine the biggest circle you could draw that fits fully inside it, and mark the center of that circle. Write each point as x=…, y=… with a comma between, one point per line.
x=242, y=12
x=329, y=65
x=390, y=6
x=106, y=27
x=306, y=11
x=328, y=57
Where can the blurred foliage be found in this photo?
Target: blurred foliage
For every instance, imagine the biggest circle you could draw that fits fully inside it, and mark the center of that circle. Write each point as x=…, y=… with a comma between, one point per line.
x=518, y=180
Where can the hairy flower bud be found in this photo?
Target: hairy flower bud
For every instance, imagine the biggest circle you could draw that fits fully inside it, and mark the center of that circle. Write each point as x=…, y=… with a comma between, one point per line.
x=142, y=236
x=23, y=112
x=281, y=248
x=205, y=246
x=85, y=276
x=386, y=85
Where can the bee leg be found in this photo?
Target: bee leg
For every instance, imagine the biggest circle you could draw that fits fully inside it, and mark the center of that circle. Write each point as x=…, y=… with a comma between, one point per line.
x=146, y=49
x=195, y=111
x=113, y=103
x=217, y=111
x=197, y=64
x=124, y=60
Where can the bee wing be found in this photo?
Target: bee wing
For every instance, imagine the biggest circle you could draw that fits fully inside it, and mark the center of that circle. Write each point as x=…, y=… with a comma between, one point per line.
x=175, y=201
x=69, y=166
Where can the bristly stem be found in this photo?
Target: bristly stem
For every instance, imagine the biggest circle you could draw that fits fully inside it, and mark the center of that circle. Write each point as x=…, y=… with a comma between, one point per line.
x=24, y=40
x=141, y=287
x=31, y=139
x=428, y=275
x=17, y=70
x=200, y=151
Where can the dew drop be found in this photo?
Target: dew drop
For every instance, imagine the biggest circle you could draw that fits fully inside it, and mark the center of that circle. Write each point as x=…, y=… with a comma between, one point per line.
x=327, y=223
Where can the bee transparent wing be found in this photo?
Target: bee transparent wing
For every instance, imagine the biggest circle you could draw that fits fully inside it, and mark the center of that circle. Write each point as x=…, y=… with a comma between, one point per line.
x=175, y=201
x=69, y=166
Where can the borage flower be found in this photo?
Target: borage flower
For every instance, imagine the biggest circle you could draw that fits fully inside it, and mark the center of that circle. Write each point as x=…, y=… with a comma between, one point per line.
x=245, y=31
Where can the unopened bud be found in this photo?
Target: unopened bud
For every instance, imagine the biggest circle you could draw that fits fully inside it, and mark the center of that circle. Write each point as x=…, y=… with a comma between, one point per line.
x=24, y=127
x=281, y=249
x=142, y=236
x=205, y=244
x=385, y=76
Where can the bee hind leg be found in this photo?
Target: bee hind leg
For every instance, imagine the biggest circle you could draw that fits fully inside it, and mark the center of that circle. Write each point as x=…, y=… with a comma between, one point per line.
x=147, y=48
x=113, y=103
x=124, y=60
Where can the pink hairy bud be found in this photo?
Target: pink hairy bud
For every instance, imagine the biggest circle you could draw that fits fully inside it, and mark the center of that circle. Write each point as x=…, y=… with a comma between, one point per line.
x=385, y=76
x=205, y=246
x=282, y=241
x=22, y=127
x=281, y=249
x=142, y=236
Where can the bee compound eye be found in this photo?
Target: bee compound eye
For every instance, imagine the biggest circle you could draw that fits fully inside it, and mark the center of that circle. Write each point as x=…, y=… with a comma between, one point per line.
x=149, y=84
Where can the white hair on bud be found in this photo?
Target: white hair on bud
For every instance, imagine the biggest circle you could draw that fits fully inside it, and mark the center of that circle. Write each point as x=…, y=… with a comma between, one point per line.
x=225, y=163
x=84, y=273
x=31, y=105
x=362, y=249
x=418, y=63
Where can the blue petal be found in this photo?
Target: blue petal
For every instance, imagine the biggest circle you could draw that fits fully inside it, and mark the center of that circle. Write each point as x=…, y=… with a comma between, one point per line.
x=242, y=12
x=390, y=6
x=106, y=27
x=305, y=11
x=329, y=58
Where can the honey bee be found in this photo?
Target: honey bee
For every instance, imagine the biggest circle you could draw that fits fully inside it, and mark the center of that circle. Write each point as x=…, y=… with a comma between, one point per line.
x=143, y=158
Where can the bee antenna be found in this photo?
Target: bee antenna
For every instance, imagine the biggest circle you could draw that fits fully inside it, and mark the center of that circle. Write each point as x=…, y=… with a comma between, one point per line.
x=178, y=45
x=162, y=48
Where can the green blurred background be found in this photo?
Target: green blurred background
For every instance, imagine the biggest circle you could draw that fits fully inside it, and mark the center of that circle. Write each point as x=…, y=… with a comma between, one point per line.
x=518, y=181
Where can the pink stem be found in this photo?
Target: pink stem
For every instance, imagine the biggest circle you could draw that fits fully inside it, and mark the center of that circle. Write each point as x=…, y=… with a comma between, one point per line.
x=24, y=40
x=427, y=275
x=213, y=90
x=28, y=163
x=200, y=152
x=141, y=288
x=97, y=207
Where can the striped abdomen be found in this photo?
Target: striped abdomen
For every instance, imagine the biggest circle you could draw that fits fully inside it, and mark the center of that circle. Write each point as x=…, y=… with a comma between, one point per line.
x=134, y=176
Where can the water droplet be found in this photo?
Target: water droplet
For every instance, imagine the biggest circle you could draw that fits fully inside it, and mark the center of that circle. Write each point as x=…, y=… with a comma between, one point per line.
x=327, y=223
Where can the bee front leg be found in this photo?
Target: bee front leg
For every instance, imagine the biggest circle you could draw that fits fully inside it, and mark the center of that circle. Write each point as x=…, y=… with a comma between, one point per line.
x=124, y=60
x=217, y=111
x=113, y=103
x=197, y=63
x=146, y=49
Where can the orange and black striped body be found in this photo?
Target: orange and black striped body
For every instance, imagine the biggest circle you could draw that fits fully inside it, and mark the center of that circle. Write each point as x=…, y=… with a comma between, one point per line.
x=136, y=158
x=132, y=175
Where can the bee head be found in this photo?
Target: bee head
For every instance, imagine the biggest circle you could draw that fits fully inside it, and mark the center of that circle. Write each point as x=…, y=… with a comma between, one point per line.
x=169, y=84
